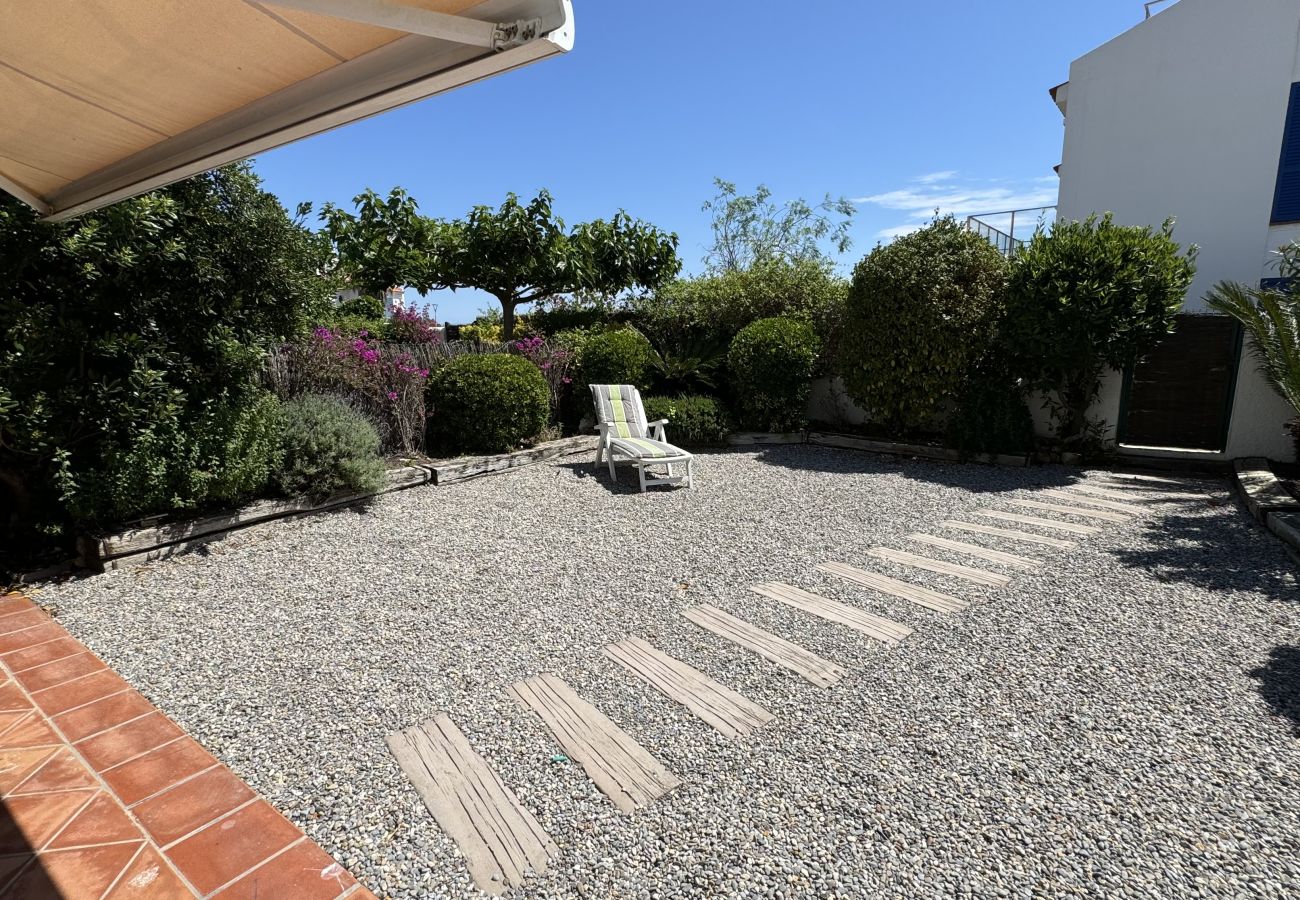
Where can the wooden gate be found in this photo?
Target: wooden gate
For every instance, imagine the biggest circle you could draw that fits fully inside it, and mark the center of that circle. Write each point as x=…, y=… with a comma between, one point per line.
x=1180, y=394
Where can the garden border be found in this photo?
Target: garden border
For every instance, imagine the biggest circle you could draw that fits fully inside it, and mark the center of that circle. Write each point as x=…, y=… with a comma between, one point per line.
x=1267, y=500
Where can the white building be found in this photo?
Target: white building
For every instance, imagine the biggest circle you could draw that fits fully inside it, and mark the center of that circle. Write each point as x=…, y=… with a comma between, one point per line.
x=1194, y=113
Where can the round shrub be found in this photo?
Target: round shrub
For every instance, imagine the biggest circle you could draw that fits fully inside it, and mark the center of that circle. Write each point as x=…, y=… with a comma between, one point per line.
x=327, y=448
x=487, y=402
x=920, y=313
x=771, y=362
x=623, y=356
x=693, y=420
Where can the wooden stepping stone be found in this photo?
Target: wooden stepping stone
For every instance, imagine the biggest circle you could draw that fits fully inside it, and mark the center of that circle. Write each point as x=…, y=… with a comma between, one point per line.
x=997, y=556
x=623, y=770
x=1041, y=523
x=809, y=665
x=882, y=630
x=1076, y=489
x=886, y=585
x=1010, y=534
x=1071, y=510
x=1095, y=501
x=978, y=576
x=499, y=839
x=727, y=711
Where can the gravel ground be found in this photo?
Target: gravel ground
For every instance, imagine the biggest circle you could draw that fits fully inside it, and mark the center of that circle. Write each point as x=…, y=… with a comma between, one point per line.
x=1121, y=723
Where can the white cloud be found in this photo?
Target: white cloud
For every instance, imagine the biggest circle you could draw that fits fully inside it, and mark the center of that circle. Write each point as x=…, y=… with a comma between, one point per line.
x=942, y=191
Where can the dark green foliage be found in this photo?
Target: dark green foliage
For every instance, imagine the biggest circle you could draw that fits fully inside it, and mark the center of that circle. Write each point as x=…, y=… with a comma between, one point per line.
x=771, y=364
x=326, y=449
x=622, y=356
x=1088, y=296
x=693, y=421
x=921, y=312
x=689, y=365
x=991, y=416
x=131, y=342
x=490, y=403
x=354, y=316
x=713, y=308
x=552, y=315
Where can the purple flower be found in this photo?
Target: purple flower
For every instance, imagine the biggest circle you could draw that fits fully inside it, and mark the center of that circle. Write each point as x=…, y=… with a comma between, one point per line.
x=392, y=395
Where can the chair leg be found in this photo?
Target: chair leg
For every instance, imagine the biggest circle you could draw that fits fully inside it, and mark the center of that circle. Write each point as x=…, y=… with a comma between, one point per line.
x=690, y=475
x=613, y=476
x=600, y=452
x=670, y=470
x=640, y=470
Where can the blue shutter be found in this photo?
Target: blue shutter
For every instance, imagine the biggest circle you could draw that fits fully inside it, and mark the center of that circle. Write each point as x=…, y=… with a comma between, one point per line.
x=1286, y=198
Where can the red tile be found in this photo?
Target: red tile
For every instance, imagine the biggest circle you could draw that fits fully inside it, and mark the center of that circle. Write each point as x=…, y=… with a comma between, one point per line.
x=33, y=820
x=150, y=877
x=147, y=775
x=12, y=603
x=74, y=874
x=304, y=872
x=66, y=669
x=192, y=804
x=79, y=692
x=227, y=849
x=8, y=719
x=119, y=744
x=31, y=732
x=27, y=637
x=102, y=822
x=12, y=697
x=41, y=653
x=25, y=619
x=107, y=712
x=361, y=894
x=16, y=765
x=60, y=772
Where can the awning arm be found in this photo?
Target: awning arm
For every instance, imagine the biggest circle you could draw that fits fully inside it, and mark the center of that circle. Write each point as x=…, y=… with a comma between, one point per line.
x=395, y=16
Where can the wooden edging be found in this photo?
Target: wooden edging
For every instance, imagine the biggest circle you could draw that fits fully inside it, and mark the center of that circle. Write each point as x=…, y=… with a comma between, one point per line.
x=1267, y=499
x=140, y=545
x=851, y=442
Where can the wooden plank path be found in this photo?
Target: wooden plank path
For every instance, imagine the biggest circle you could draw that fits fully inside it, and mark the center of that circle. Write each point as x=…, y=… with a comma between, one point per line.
x=1107, y=493
x=978, y=576
x=920, y=596
x=1072, y=510
x=1009, y=533
x=499, y=839
x=803, y=662
x=1041, y=523
x=1096, y=501
x=997, y=556
x=882, y=630
x=623, y=770
x=730, y=713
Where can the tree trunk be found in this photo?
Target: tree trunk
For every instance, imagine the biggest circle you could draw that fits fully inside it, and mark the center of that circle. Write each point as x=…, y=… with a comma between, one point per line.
x=507, y=318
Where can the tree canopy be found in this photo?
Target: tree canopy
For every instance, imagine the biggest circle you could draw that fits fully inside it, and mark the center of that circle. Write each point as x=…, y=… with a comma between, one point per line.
x=752, y=228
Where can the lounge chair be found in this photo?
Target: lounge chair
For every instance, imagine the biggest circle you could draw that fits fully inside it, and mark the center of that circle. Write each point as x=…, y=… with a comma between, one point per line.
x=624, y=431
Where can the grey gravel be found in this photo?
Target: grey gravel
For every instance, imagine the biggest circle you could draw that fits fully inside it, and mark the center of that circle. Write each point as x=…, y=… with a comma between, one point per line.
x=1120, y=723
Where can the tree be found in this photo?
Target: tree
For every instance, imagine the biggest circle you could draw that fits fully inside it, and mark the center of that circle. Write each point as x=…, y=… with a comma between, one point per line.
x=921, y=313
x=1088, y=296
x=1271, y=316
x=387, y=243
x=519, y=253
x=752, y=228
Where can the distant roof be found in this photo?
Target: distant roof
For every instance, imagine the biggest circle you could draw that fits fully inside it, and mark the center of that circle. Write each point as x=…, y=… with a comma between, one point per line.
x=104, y=101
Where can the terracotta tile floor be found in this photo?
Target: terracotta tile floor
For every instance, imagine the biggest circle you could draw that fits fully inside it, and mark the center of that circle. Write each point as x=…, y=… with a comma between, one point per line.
x=106, y=797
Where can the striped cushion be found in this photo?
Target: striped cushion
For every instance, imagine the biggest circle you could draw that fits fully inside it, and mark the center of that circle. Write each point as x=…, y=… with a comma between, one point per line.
x=619, y=407
x=644, y=448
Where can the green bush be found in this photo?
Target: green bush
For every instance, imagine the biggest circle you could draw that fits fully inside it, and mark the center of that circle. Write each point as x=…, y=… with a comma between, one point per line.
x=921, y=312
x=771, y=362
x=713, y=308
x=326, y=449
x=1088, y=296
x=991, y=416
x=693, y=420
x=623, y=356
x=490, y=403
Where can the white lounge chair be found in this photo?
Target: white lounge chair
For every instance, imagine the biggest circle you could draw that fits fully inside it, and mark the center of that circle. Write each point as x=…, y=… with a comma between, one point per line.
x=624, y=431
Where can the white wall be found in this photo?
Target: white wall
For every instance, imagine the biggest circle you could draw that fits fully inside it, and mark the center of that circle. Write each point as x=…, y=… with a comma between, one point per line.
x=1182, y=116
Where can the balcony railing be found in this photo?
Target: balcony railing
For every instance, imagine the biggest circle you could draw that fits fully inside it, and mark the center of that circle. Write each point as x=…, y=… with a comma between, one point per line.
x=1011, y=229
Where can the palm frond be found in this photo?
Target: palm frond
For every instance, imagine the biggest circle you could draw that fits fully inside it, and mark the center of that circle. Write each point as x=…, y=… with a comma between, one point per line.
x=1272, y=320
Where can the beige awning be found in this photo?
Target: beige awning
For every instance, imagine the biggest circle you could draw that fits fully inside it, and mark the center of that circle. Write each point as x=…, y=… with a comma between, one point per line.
x=104, y=99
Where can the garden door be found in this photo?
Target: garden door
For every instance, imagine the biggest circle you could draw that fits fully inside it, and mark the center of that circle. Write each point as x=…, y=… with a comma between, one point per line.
x=1180, y=394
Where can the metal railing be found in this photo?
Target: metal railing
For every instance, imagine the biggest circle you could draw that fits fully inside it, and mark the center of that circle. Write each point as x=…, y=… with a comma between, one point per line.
x=999, y=228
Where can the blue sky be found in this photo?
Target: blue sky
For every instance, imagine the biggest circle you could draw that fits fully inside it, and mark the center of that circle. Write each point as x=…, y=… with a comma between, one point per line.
x=902, y=107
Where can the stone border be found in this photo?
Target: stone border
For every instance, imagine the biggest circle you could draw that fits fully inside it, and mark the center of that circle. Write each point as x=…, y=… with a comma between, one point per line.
x=1268, y=501
x=140, y=545
x=852, y=442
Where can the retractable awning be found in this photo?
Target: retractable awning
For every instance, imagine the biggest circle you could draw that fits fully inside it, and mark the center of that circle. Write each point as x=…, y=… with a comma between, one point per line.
x=104, y=99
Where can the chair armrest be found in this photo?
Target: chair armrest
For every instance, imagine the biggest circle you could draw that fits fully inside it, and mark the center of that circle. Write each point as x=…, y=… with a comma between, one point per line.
x=657, y=430
x=656, y=422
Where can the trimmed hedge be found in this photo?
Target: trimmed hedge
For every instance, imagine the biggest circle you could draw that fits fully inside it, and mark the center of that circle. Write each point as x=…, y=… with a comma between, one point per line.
x=693, y=420
x=771, y=363
x=623, y=356
x=489, y=403
x=327, y=448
